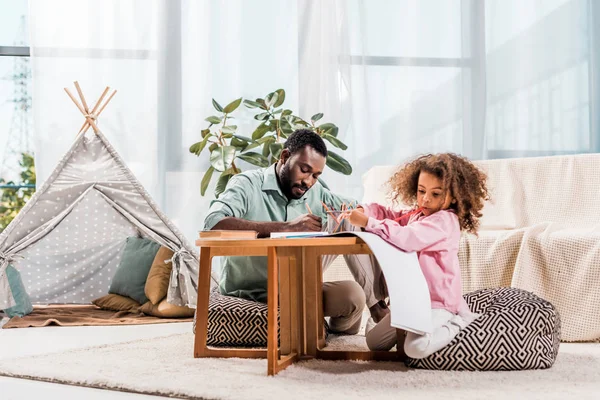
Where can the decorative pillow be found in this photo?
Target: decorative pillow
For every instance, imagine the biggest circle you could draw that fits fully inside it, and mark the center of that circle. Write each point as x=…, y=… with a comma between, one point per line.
x=167, y=310
x=132, y=272
x=157, y=283
x=517, y=330
x=115, y=302
x=233, y=321
x=23, y=304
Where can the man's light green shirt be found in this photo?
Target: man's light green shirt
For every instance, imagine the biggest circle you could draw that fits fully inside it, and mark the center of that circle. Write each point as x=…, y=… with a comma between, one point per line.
x=255, y=195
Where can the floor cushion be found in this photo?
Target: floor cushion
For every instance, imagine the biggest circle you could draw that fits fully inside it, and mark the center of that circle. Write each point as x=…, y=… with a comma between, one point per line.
x=234, y=322
x=517, y=330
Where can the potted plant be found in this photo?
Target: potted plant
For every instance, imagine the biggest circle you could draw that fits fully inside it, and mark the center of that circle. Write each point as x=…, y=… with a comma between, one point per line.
x=263, y=147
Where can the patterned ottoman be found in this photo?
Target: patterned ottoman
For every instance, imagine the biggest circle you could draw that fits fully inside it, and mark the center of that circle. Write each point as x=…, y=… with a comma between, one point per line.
x=516, y=330
x=235, y=322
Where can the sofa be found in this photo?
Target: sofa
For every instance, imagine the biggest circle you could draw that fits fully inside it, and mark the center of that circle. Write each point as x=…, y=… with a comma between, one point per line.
x=539, y=232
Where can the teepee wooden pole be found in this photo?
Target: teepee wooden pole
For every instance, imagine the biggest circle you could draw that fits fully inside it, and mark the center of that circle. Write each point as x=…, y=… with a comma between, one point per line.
x=86, y=115
x=75, y=101
x=85, y=124
x=85, y=106
x=102, y=108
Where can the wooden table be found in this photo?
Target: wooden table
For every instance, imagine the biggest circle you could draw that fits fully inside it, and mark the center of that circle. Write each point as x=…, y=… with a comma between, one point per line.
x=297, y=293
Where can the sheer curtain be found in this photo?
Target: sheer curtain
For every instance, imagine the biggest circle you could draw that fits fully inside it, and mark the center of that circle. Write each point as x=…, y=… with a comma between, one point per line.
x=487, y=79
x=167, y=59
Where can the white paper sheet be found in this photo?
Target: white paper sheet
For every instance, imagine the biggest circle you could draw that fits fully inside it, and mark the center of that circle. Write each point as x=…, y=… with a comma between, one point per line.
x=409, y=294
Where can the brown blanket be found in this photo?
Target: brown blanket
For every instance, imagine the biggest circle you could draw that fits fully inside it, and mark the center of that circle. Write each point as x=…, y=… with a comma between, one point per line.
x=83, y=315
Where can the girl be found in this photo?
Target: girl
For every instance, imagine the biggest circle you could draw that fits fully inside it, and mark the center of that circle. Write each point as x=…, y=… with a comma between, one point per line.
x=448, y=194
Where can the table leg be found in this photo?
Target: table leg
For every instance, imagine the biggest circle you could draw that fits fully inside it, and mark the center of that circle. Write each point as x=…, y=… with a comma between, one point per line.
x=272, y=304
x=200, y=349
x=310, y=269
x=285, y=297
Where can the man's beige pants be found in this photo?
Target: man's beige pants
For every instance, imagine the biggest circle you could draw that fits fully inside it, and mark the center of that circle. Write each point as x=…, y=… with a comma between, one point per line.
x=344, y=301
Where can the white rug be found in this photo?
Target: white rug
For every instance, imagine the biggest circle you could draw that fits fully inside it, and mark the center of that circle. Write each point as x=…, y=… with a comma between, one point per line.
x=165, y=366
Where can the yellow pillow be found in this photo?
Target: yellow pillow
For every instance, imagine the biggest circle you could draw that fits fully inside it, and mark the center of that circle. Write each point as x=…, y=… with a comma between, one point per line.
x=116, y=302
x=157, y=283
x=166, y=310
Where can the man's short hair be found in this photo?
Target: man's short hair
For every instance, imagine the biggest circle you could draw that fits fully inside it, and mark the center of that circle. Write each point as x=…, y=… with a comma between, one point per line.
x=305, y=137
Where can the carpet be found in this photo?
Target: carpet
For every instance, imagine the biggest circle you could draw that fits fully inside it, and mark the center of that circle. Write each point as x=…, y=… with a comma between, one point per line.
x=165, y=366
x=83, y=315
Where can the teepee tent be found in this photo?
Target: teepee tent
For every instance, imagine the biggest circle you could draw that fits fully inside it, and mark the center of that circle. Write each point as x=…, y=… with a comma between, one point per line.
x=68, y=239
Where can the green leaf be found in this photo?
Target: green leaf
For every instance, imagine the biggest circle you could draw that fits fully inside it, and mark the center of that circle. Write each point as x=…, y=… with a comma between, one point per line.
x=262, y=103
x=240, y=144
x=316, y=117
x=329, y=128
x=231, y=107
x=227, y=135
x=267, y=149
x=299, y=122
x=254, y=158
x=212, y=147
x=335, y=141
x=214, y=119
x=222, y=157
x=280, y=97
x=222, y=183
x=224, y=179
x=278, y=111
x=205, y=132
x=286, y=112
x=260, y=131
x=262, y=116
x=197, y=148
x=206, y=180
x=275, y=149
x=251, y=104
x=260, y=142
x=244, y=138
x=217, y=106
x=229, y=129
x=338, y=163
x=286, y=125
x=271, y=99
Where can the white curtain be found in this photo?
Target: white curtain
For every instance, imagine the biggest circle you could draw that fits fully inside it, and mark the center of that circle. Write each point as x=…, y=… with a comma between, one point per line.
x=488, y=79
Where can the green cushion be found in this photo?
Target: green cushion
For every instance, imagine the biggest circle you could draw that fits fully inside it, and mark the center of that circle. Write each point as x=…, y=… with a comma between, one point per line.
x=23, y=306
x=132, y=272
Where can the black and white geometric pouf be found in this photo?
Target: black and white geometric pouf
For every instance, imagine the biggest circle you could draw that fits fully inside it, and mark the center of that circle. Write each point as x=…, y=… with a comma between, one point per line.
x=517, y=330
x=235, y=322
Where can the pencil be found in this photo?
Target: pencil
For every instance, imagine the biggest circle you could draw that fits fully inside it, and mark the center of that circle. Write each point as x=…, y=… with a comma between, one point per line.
x=308, y=208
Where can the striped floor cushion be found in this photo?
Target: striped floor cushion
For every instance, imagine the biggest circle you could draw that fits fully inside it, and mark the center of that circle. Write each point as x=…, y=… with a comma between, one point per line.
x=517, y=330
x=234, y=322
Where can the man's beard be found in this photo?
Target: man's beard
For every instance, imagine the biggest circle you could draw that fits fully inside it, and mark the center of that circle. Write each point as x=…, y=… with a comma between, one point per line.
x=287, y=185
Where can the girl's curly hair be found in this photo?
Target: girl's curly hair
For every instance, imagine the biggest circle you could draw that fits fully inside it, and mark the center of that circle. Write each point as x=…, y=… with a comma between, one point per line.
x=466, y=182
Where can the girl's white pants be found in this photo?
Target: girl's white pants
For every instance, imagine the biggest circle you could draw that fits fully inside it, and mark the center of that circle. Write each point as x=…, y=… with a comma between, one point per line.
x=446, y=326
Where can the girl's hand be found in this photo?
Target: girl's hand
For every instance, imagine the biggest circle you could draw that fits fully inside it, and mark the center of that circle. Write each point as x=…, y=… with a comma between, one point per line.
x=357, y=217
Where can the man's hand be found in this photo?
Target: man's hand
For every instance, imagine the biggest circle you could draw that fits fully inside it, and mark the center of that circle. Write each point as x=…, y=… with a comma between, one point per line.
x=305, y=223
x=357, y=217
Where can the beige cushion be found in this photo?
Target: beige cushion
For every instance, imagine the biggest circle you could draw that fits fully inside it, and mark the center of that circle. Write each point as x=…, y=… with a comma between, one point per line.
x=116, y=302
x=157, y=283
x=167, y=310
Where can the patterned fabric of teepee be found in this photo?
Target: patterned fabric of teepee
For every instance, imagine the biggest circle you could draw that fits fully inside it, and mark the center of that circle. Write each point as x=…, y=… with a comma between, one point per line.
x=67, y=241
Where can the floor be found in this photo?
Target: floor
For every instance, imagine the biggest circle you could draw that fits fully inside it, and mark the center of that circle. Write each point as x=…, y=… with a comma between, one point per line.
x=31, y=341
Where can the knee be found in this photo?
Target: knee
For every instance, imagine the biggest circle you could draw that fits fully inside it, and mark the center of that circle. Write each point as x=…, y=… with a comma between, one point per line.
x=356, y=297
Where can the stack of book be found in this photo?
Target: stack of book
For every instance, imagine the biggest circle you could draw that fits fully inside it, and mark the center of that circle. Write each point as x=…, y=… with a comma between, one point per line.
x=228, y=234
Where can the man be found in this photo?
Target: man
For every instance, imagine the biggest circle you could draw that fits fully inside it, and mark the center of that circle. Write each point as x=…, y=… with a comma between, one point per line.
x=275, y=199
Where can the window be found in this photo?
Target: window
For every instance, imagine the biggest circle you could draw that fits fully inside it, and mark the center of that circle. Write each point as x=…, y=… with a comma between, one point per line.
x=17, y=175
x=488, y=79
